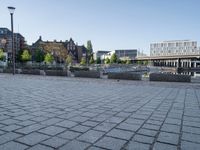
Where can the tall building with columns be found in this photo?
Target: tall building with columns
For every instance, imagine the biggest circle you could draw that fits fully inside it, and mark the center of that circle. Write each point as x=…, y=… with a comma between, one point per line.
x=174, y=48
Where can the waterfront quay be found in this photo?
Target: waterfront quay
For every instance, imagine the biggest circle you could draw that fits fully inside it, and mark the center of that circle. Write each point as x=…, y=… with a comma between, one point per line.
x=46, y=113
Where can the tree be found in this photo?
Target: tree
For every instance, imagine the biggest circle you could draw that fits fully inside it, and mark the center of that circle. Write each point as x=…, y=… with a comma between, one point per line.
x=68, y=59
x=128, y=61
x=48, y=58
x=19, y=56
x=113, y=58
x=98, y=61
x=39, y=56
x=26, y=56
x=1, y=55
x=89, y=50
x=83, y=61
x=91, y=60
x=107, y=60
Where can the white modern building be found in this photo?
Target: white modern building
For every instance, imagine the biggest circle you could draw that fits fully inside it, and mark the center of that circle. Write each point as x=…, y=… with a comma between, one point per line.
x=122, y=54
x=173, y=48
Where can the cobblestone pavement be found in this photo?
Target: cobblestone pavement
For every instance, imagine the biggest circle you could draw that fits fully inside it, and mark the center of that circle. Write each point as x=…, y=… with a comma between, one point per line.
x=46, y=113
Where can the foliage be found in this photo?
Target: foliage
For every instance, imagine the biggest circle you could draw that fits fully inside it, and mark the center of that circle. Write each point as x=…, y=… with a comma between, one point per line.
x=146, y=62
x=107, y=60
x=26, y=56
x=128, y=61
x=91, y=60
x=19, y=55
x=1, y=55
x=68, y=59
x=39, y=55
x=89, y=47
x=48, y=58
x=83, y=61
x=98, y=61
x=113, y=58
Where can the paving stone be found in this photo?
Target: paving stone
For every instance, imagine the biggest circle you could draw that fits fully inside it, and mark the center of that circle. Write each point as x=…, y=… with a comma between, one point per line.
x=191, y=129
x=8, y=137
x=75, y=145
x=51, y=121
x=191, y=137
x=11, y=127
x=189, y=146
x=69, y=135
x=121, y=134
x=171, y=128
x=80, y=128
x=147, y=132
x=111, y=143
x=13, y=146
x=170, y=138
x=129, y=127
x=40, y=147
x=29, y=129
x=90, y=123
x=67, y=124
x=143, y=139
x=91, y=136
x=137, y=146
x=32, y=139
x=79, y=119
x=95, y=148
x=52, y=130
x=105, y=127
x=162, y=146
x=55, y=142
x=173, y=121
x=26, y=123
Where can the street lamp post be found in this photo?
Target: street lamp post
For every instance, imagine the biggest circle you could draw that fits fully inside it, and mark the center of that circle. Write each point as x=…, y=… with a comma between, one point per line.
x=11, y=10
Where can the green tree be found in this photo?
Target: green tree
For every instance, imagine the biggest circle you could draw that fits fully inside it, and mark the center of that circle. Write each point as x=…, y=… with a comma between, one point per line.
x=92, y=60
x=19, y=55
x=26, y=56
x=68, y=59
x=83, y=61
x=107, y=60
x=1, y=55
x=128, y=61
x=89, y=50
x=98, y=61
x=48, y=58
x=113, y=58
x=39, y=56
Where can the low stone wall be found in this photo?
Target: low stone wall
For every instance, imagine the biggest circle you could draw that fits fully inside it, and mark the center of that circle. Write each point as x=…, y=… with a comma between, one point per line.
x=55, y=73
x=125, y=76
x=30, y=71
x=87, y=74
x=169, y=77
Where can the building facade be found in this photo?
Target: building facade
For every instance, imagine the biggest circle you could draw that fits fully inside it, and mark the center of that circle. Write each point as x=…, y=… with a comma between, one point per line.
x=6, y=42
x=123, y=54
x=60, y=49
x=99, y=54
x=172, y=48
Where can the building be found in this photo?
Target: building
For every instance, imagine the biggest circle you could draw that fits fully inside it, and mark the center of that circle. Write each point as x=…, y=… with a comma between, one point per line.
x=60, y=49
x=99, y=54
x=122, y=54
x=6, y=42
x=172, y=48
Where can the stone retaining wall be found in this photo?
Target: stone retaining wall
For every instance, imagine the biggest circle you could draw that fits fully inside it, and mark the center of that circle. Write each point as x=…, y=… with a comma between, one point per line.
x=55, y=73
x=87, y=74
x=169, y=77
x=125, y=76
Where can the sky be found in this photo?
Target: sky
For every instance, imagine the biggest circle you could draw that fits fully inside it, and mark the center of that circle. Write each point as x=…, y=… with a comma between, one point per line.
x=109, y=24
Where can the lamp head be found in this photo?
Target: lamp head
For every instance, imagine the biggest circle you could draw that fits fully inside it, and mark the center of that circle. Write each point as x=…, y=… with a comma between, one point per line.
x=11, y=9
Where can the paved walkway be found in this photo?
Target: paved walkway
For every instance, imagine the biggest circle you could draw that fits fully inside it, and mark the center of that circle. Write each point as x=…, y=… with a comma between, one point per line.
x=46, y=113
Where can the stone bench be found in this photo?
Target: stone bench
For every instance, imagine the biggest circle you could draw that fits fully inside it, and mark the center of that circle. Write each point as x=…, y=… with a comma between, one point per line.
x=30, y=71
x=87, y=74
x=125, y=76
x=169, y=77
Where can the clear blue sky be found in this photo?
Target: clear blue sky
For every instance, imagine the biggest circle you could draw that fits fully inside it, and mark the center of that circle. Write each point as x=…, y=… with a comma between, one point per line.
x=109, y=24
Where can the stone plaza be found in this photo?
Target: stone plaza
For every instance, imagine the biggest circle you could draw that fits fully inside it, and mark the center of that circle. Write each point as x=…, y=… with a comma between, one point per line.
x=46, y=113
